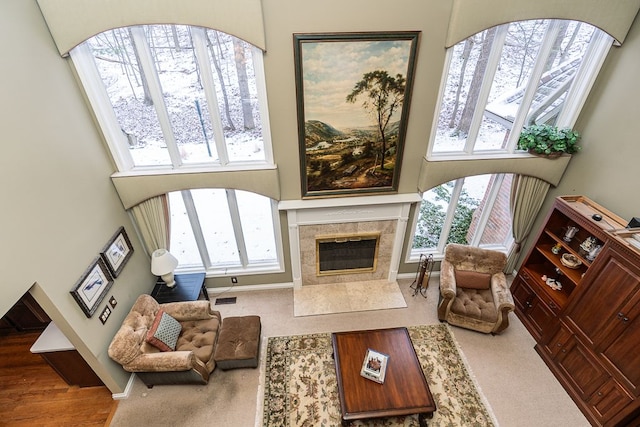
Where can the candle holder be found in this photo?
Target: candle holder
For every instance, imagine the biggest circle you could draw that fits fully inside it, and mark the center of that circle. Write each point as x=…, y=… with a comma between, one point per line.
x=571, y=232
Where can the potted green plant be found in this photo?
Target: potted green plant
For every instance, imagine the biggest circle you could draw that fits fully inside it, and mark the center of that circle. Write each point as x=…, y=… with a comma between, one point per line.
x=549, y=141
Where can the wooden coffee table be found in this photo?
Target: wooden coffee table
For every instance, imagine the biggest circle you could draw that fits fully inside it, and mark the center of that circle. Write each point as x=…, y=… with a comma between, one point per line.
x=405, y=390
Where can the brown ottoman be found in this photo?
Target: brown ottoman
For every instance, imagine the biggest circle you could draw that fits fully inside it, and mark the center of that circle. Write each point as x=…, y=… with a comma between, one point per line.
x=238, y=343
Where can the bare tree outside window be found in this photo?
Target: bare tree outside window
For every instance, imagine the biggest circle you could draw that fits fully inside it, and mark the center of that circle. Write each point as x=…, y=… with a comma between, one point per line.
x=516, y=55
x=204, y=87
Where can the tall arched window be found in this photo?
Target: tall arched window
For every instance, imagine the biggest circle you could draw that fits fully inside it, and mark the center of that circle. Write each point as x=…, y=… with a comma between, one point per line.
x=176, y=96
x=495, y=83
x=512, y=75
x=470, y=211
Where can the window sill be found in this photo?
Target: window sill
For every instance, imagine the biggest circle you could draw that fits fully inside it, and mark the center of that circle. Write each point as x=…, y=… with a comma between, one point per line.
x=168, y=170
x=457, y=157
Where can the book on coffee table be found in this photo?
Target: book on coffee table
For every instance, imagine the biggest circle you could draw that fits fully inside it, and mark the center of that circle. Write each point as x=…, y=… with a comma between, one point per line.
x=374, y=366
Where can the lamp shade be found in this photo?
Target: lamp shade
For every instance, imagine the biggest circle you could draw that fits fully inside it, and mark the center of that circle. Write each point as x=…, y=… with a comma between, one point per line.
x=162, y=262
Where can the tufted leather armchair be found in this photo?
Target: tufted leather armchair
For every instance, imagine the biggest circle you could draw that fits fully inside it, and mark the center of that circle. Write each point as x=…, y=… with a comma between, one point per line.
x=191, y=362
x=474, y=293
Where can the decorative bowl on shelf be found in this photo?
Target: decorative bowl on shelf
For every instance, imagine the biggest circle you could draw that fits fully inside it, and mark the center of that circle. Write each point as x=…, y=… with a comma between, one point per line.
x=570, y=261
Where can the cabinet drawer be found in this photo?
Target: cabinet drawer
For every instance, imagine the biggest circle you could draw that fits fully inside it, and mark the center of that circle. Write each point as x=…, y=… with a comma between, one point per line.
x=535, y=311
x=559, y=341
x=521, y=293
x=546, y=299
x=608, y=401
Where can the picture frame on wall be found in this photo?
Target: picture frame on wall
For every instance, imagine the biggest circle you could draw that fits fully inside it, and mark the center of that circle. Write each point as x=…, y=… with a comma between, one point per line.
x=117, y=252
x=353, y=95
x=92, y=287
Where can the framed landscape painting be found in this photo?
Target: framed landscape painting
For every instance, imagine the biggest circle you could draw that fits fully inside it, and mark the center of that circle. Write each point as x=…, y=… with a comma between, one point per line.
x=353, y=97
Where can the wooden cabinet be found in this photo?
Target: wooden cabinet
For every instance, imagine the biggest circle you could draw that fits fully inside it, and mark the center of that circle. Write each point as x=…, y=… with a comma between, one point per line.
x=537, y=311
x=589, y=330
x=25, y=315
x=607, y=314
x=62, y=356
x=551, y=281
x=577, y=364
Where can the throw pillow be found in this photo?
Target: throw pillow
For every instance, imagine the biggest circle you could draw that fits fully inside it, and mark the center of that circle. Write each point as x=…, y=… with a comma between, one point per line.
x=164, y=332
x=472, y=279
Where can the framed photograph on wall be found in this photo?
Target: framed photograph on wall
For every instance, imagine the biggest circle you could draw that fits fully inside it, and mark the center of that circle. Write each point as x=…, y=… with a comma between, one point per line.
x=374, y=366
x=117, y=252
x=353, y=95
x=92, y=287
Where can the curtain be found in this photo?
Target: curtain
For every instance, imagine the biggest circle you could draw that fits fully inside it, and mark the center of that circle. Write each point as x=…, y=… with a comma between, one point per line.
x=527, y=195
x=152, y=217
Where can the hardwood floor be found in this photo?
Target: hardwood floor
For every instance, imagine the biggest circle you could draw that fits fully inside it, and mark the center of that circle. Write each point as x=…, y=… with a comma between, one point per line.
x=32, y=393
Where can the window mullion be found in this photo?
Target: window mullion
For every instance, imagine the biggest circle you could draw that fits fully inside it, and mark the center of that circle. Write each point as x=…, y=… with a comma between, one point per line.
x=443, y=88
x=237, y=227
x=261, y=88
x=206, y=73
x=275, y=218
x=596, y=53
x=490, y=200
x=485, y=89
x=192, y=214
x=451, y=210
x=532, y=86
x=87, y=70
x=155, y=90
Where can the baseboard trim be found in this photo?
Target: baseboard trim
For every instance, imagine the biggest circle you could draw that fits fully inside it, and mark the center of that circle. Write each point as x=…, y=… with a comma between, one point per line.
x=213, y=292
x=127, y=390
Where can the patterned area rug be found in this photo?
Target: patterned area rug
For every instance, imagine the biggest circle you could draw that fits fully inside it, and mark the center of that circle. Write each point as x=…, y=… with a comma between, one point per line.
x=300, y=387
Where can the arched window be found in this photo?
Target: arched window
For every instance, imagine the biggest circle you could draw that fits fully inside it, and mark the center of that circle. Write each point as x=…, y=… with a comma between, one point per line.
x=176, y=96
x=512, y=75
x=470, y=211
x=225, y=231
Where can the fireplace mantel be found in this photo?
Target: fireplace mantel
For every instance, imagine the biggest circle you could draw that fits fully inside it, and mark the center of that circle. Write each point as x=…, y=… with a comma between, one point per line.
x=287, y=205
x=347, y=210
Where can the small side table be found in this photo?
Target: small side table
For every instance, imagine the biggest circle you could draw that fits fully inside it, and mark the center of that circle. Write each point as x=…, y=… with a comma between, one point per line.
x=188, y=288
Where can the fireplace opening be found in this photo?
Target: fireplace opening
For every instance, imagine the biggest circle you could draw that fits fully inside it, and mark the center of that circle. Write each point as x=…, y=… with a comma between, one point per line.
x=352, y=253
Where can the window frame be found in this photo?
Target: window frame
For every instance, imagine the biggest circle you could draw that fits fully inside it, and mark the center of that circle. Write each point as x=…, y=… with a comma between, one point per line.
x=576, y=97
x=413, y=254
x=245, y=267
x=91, y=81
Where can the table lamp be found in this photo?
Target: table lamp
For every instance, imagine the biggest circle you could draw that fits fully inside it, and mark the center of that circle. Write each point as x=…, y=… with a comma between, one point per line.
x=163, y=264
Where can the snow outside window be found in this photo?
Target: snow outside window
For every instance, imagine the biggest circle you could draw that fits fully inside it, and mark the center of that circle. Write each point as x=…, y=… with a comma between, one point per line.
x=176, y=96
x=224, y=231
x=471, y=211
x=513, y=75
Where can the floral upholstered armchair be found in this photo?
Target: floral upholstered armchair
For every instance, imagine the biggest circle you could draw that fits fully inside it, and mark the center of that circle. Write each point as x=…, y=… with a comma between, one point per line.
x=170, y=343
x=474, y=293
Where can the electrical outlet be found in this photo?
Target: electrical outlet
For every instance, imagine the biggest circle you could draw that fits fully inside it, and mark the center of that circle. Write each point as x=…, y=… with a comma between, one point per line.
x=234, y=280
x=105, y=314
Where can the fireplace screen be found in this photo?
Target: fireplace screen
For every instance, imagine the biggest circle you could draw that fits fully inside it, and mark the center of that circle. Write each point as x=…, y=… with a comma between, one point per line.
x=353, y=253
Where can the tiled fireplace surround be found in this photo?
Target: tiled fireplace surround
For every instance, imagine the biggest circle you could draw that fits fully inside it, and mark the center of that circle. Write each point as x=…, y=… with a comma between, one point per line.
x=309, y=219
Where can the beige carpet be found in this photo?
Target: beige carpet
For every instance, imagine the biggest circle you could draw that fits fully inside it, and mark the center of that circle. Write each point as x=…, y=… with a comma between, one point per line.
x=302, y=390
x=515, y=381
x=313, y=300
